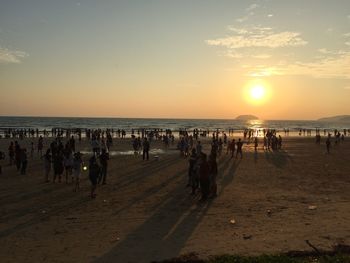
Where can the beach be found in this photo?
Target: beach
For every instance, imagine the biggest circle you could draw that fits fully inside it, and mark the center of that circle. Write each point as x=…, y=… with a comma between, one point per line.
x=275, y=200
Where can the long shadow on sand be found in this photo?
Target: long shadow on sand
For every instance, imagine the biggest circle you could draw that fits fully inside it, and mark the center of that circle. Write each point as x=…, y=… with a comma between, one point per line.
x=66, y=199
x=278, y=158
x=166, y=231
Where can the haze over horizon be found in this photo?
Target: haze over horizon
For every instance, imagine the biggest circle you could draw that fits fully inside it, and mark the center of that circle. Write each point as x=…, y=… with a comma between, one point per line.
x=277, y=60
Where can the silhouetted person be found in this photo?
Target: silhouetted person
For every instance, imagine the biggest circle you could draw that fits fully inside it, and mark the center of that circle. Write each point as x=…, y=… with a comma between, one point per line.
x=11, y=151
x=94, y=172
x=191, y=169
x=18, y=155
x=146, y=147
x=256, y=143
x=77, y=163
x=58, y=166
x=204, y=177
x=239, y=148
x=328, y=144
x=104, y=157
x=47, y=164
x=24, y=161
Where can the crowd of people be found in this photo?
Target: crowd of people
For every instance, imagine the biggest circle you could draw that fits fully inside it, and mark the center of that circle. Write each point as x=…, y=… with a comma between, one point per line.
x=63, y=162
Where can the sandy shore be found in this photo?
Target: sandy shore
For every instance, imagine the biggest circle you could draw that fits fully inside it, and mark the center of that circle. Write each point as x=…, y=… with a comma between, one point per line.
x=146, y=213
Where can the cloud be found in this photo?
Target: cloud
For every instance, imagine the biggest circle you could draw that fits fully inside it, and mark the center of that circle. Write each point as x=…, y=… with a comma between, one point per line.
x=242, y=19
x=252, y=7
x=347, y=88
x=270, y=15
x=329, y=67
x=262, y=56
x=249, y=12
x=258, y=37
x=11, y=56
x=331, y=52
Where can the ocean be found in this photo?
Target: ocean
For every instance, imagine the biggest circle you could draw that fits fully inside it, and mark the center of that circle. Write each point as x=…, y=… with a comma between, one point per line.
x=127, y=124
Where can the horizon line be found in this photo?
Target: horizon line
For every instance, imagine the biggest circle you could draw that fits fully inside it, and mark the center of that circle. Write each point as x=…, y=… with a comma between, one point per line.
x=160, y=118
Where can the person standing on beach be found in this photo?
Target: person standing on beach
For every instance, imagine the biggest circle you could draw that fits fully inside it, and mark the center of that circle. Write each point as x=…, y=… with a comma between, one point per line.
x=17, y=156
x=328, y=143
x=94, y=173
x=11, y=150
x=239, y=148
x=191, y=168
x=146, y=147
x=104, y=157
x=204, y=177
x=68, y=163
x=77, y=163
x=256, y=143
x=47, y=164
x=24, y=161
x=40, y=146
x=58, y=166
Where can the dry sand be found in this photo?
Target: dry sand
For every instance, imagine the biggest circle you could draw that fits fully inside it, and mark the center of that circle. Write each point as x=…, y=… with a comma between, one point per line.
x=146, y=213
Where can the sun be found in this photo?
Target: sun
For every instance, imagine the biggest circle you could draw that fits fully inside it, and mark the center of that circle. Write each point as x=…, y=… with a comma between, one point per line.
x=257, y=92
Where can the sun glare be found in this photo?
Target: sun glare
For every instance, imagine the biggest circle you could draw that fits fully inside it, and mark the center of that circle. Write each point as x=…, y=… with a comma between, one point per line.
x=257, y=92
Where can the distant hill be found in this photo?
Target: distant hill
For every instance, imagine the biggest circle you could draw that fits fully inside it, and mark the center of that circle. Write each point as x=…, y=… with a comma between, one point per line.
x=247, y=117
x=340, y=118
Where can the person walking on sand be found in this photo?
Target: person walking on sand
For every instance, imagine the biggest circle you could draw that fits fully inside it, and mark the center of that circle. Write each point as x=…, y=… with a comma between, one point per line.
x=146, y=147
x=94, y=173
x=239, y=148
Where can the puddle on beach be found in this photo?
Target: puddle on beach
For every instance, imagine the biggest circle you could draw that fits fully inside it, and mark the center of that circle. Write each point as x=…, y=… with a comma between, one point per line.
x=118, y=153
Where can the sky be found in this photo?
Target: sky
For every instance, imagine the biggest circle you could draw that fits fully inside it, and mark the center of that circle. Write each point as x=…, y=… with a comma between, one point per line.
x=175, y=59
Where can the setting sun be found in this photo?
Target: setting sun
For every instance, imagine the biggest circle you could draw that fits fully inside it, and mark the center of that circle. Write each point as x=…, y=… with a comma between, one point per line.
x=257, y=92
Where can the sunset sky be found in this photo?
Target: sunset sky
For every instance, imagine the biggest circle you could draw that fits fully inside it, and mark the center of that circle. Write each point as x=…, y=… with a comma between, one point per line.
x=175, y=59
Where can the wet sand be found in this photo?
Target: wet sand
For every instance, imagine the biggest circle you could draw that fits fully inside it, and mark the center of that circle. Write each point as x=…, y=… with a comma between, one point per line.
x=146, y=213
